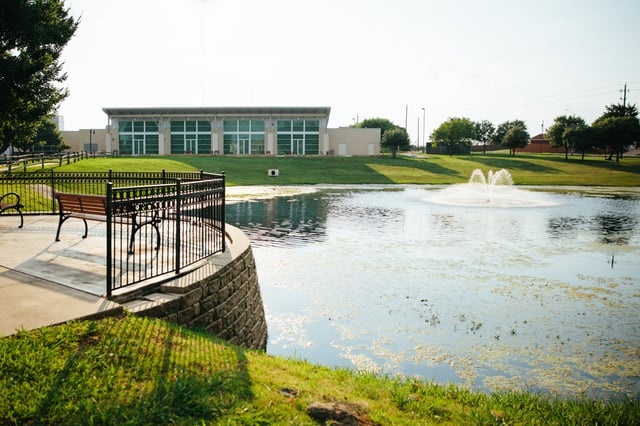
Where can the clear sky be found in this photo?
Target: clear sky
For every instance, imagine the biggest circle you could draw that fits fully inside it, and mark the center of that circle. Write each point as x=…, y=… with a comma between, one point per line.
x=497, y=60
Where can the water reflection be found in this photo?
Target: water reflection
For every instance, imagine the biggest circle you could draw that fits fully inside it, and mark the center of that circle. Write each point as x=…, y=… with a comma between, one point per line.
x=489, y=298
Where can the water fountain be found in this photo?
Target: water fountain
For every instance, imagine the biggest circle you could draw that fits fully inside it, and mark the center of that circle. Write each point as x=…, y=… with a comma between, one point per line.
x=494, y=190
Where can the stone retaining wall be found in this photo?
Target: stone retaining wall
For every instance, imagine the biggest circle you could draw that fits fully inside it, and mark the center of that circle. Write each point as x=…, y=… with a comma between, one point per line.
x=222, y=297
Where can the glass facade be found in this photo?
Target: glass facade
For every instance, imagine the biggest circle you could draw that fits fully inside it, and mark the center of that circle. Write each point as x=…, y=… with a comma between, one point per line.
x=138, y=137
x=190, y=137
x=243, y=137
x=298, y=137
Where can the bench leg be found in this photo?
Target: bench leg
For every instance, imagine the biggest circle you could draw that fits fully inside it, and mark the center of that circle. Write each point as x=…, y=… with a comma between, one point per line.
x=137, y=226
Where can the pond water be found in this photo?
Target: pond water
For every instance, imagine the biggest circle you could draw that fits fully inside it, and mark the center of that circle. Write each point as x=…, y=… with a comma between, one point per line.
x=400, y=280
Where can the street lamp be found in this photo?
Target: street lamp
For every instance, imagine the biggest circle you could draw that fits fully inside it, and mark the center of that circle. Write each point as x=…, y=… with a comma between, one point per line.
x=424, y=122
x=91, y=132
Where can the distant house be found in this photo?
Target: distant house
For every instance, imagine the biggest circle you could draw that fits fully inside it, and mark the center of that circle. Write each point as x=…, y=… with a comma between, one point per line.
x=539, y=144
x=272, y=131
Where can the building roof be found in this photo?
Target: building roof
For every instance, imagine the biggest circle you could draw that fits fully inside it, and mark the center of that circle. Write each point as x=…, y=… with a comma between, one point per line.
x=539, y=138
x=217, y=111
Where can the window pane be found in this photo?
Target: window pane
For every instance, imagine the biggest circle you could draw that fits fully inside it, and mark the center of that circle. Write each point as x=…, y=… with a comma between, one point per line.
x=312, y=125
x=311, y=145
x=204, y=144
x=243, y=125
x=230, y=126
x=138, y=126
x=124, y=126
x=177, y=144
x=204, y=126
x=125, y=144
x=190, y=126
x=177, y=126
x=298, y=126
x=151, y=144
x=284, y=144
x=151, y=126
x=284, y=125
x=257, y=125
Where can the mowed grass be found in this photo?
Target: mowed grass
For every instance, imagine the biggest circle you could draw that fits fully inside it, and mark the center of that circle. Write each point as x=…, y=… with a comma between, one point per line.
x=135, y=371
x=526, y=169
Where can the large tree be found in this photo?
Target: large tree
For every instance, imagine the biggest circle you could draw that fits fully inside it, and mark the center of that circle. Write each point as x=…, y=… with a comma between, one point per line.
x=503, y=128
x=454, y=131
x=618, y=128
x=377, y=123
x=557, y=133
x=396, y=139
x=32, y=36
x=516, y=137
x=485, y=131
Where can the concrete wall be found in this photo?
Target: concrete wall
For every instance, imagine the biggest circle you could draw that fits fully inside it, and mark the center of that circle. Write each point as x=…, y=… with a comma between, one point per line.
x=222, y=297
x=79, y=140
x=346, y=141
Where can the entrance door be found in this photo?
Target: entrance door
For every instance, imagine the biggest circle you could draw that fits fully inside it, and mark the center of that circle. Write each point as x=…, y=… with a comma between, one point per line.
x=138, y=147
x=190, y=146
x=243, y=147
x=297, y=146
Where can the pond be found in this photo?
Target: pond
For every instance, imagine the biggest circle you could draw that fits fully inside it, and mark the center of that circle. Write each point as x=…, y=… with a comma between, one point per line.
x=541, y=293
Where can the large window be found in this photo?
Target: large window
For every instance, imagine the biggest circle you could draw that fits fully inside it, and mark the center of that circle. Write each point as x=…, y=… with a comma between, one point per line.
x=138, y=137
x=243, y=137
x=298, y=137
x=190, y=137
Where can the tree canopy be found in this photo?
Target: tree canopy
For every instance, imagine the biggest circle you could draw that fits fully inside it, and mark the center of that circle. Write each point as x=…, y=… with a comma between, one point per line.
x=618, y=128
x=377, y=123
x=516, y=137
x=396, y=139
x=485, y=132
x=503, y=128
x=454, y=131
x=32, y=36
x=559, y=133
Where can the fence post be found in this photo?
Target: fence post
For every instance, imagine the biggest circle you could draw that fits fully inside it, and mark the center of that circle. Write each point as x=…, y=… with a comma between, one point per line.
x=178, y=221
x=109, y=238
x=223, y=219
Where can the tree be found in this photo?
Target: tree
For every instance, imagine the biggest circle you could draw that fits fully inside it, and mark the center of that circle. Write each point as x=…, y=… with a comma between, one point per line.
x=516, y=137
x=503, y=128
x=396, y=139
x=618, y=128
x=556, y=133
x=581, y=138
x=32, y=36
x=48, y=136
x=377, y=123
x=485, y=132
x=454, y=131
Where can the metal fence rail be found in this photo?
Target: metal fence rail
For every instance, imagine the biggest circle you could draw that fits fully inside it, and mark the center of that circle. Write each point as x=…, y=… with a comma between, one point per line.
x=157, y=223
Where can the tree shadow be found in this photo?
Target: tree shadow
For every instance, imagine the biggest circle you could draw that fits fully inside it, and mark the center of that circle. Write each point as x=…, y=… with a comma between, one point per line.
x=144, y=371
x=509, y=163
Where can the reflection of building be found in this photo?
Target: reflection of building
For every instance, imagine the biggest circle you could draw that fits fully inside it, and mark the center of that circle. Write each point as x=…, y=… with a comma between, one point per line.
x=229, y=131
x=280, y=221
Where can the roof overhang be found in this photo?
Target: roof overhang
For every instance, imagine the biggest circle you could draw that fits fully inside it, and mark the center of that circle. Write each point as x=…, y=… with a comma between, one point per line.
x=217, y=111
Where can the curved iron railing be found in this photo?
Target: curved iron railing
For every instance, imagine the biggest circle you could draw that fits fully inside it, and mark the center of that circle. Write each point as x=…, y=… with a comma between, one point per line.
x=158, y=224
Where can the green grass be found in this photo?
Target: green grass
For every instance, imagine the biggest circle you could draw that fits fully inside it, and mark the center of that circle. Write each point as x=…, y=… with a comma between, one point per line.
x=529, y=169
x=141, y=371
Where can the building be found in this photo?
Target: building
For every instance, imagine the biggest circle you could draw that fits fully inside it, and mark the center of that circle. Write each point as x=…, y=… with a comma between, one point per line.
x=224, y=131
x=540, y=144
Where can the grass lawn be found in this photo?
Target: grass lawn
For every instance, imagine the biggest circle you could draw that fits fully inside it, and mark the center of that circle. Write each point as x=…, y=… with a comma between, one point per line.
x=142, y=371
x=526, y=169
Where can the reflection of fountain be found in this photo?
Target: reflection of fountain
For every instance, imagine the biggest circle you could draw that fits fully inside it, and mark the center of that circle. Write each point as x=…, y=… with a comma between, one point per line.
x=494, y=190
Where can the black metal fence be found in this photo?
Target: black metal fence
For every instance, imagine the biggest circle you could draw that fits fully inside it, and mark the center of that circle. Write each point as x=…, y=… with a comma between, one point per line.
x=158, y=223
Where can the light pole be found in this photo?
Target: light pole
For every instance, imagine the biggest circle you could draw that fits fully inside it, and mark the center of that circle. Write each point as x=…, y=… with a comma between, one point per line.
x=91, y=133
x=424, y=122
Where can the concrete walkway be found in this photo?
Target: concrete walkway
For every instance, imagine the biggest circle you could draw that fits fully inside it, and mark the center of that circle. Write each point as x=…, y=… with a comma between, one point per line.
x=44, y=282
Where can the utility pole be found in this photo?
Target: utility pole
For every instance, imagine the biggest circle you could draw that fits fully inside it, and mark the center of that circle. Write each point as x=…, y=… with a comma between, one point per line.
x=624, y=96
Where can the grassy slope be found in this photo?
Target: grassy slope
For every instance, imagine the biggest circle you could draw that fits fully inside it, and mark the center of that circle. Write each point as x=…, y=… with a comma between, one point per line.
x=525, y=169
x=143, y=371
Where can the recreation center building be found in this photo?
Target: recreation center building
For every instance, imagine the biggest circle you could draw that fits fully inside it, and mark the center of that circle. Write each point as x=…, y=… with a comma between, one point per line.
x=273, y=131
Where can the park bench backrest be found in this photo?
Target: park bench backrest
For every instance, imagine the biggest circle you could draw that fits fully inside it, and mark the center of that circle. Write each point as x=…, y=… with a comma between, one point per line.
x=82, y=203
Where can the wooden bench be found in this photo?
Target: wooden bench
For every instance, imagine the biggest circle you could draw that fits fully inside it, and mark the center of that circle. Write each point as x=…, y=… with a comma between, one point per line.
x=11, y=201
x=94, y=207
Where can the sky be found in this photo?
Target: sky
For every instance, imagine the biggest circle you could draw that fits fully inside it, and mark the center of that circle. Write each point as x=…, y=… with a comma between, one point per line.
x=414, y=62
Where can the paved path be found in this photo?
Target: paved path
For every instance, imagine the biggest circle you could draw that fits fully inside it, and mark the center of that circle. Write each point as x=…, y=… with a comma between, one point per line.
x=44, y=282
